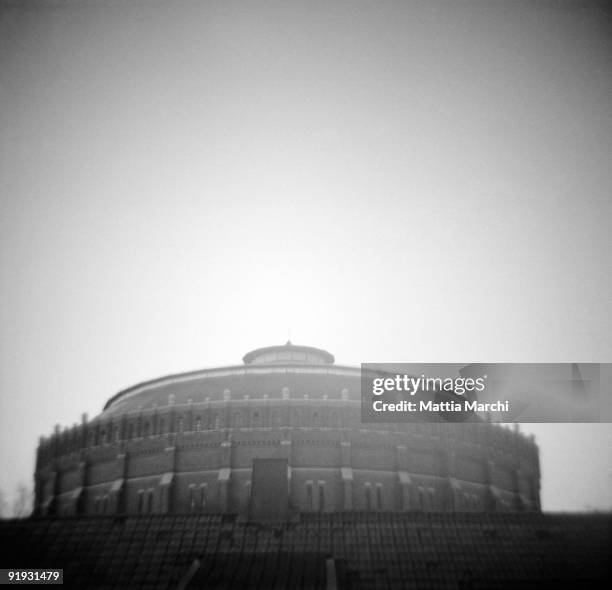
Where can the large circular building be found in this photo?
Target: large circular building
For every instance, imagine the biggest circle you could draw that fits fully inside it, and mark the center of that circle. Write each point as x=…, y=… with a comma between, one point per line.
x=188, y=443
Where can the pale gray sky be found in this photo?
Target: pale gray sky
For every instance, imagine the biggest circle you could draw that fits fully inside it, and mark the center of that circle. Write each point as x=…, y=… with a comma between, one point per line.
x=181, y=182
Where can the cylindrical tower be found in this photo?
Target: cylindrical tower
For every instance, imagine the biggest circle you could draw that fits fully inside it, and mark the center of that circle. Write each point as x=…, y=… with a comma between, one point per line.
x=187, y=442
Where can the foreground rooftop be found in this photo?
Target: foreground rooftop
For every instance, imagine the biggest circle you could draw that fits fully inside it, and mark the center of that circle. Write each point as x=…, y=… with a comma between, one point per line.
x=343, y=550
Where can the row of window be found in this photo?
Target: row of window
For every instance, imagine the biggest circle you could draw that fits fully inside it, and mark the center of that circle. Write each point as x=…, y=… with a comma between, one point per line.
x=369, y=499
x=255, y=420
x=103, y=504
x=315, y=499
x=273, y=357
x=198, y=497
x=469, y=502
x=239, y=420
x=209, y=420
x=315, y=496
x=427, y=498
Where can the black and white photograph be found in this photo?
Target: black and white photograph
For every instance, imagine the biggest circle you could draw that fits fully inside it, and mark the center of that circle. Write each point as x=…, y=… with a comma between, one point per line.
x=306, y=294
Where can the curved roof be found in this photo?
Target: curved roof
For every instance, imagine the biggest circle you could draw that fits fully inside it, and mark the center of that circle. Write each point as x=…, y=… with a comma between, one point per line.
x=277, y=358
x=288, y=354
x=212, y=382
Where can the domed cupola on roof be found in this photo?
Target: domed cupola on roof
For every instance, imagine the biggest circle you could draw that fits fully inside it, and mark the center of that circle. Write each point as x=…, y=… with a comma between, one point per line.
x=288, y=354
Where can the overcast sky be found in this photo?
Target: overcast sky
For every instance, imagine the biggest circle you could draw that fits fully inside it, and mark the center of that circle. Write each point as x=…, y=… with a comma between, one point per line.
x=181, y=182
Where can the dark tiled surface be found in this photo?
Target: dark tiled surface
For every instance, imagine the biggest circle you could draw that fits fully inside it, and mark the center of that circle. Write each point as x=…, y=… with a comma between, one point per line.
x=434, y=550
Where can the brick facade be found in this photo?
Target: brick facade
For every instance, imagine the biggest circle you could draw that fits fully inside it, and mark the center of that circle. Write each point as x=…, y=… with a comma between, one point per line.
x=186, y=443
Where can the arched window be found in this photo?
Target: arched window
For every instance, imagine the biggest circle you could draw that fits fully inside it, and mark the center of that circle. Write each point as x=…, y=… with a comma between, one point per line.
x=192, y=498
x=256, y=420
x=146, y=429
x=203, y=496
x=181, y=425
x=162, y=426
x=237, y=420
x=379, y=497
x=316, y=419
x=274, y=420
x=368, y=497
x=199, y=424
x=217, y=421
x=321, y=496
x=334, y=419
x=309, y=495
